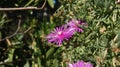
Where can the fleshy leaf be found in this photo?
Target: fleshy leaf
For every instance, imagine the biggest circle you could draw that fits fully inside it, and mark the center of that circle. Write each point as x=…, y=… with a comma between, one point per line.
x=51, y=3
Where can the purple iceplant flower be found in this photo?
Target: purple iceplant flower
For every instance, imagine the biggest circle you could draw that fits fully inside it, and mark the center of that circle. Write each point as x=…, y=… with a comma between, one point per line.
x=59, y=34
x=80, y=63
x=75, y=24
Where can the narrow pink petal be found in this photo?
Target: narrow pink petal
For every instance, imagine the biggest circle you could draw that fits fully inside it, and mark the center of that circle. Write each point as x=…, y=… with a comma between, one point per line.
x=70, y=65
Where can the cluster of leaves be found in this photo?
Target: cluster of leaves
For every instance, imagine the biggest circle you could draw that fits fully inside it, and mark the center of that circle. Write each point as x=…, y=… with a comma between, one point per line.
x=22, y=33
x=100, y=41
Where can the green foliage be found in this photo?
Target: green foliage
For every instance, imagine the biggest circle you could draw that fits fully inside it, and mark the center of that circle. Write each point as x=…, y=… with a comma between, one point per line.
x=51, y=3
x=23, y=34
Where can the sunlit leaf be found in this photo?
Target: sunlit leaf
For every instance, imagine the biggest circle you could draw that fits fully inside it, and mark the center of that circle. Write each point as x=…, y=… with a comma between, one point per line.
x=51, y=3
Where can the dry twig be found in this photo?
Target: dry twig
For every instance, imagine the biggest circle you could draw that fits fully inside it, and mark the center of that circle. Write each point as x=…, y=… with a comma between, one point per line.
x=23, y=8
x=18, y=27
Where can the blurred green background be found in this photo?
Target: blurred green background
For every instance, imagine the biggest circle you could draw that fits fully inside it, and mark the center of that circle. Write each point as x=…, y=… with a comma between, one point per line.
x=23, y=32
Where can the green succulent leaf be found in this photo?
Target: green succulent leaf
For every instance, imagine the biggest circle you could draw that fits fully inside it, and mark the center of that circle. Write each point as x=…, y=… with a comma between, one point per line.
x=51, y=3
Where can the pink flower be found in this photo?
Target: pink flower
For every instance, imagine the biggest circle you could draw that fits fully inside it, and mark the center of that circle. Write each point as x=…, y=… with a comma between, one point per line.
x=60, y=34
x=75, y=24
x=80, y=64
